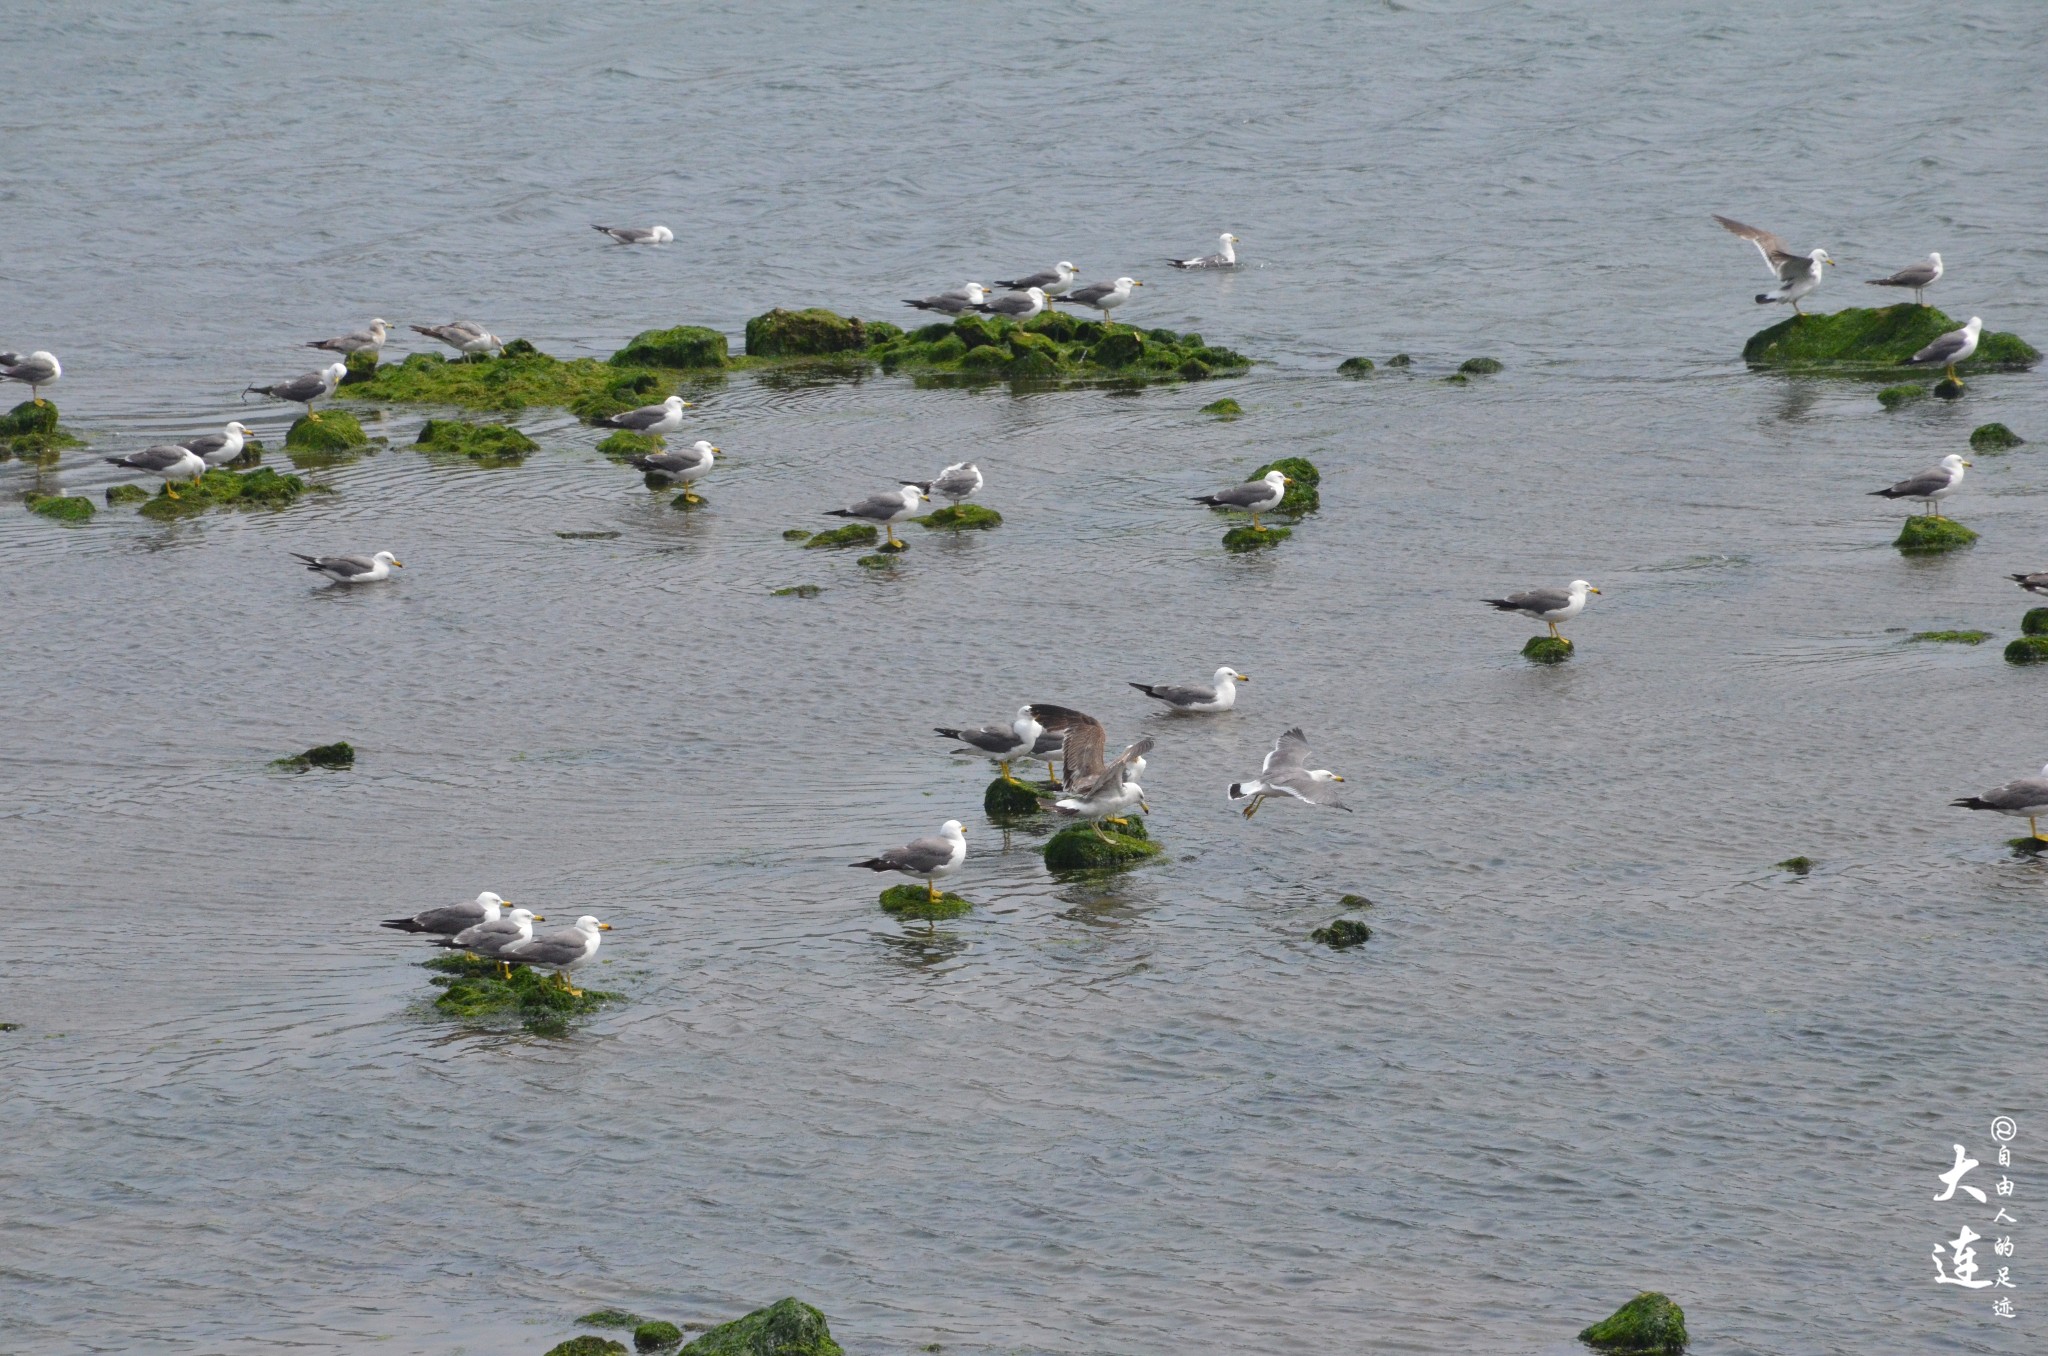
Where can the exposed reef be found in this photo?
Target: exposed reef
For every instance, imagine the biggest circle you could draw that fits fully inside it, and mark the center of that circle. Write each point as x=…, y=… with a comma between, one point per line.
x=1225, y=408
x=788, y=1327
x=1952, y=637
x=961, y=518
x=1480, y=367
x=609, y=1318
x=853, y=534
x=261, y=488
x=656, y=1335
x=1875, y=341
x=2027, y=650
x=1648, y=1325
x=1342, y=935
x=797, y=591
x=877, y=561
x=522, y=376
x=1249, y=538
x=589, y=1344
x=323, y=441
x=1052, y=347
x=625, y=445
x=1356, y=367
x=1993, y=438
x=1547, y=650
x=1798, y=866
x=1009, y=799
x=65, y=508
x=31, y=432
x=1924, y=535
x=334, y=757
x=914, y=901
x=488, y=445
x=2035, y=623
x=686, y=347
x=810, y=333
x=126, y=494
x=1079, y=848
x=472, y=988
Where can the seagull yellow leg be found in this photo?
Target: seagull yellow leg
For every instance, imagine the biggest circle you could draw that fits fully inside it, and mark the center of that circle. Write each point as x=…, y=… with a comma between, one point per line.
x=2035, y=829
x=1099, y=833
x=890, y=530
x=169, y=491
x=1253, y=808
x=1119, y=821
x=1255, y=524
x=931, y=891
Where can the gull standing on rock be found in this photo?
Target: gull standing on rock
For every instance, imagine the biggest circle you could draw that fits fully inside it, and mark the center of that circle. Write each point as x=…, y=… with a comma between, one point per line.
x=559, y=951
x=1286, y=773
x=1103, y=296
x=1797, y=274
x=38, y=370
x=1931, y=486
x=168, y=460
x=655, y=421
x=1221, y=695
x=355, y=570
x=1549, y=606
x=686, y=466
x=465, y=336
x=370, y=339
x=448, y=921
x=1918, y=276
x=1254, y=496
x=928, y=859
x=886, y=510
x=1954, y=347
x=958, y=482
x=1051, y=281
x=964, y=298
x=218, y=449
x=1225, y=258
x=1097, y=792
x=305, y=388
x=1018, y=306
x=637, y=235
x=1003, y=743
x=487, y=939
x=2026, y=798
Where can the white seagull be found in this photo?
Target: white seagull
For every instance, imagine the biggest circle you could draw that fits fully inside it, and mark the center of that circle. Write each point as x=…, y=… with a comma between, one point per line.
x=928, y=859
x=1225, y=258
x=453, y=918
x=353, y=569
x=686, y=466
x=960, y=481
x=1103, y=296
x=1918, y=276
x=2026, y=798
x=369, y=339
x=1286, y=773
x=886, y=510
x=1932, y=485
x=1095, y=791
x=487, y=939
x=1051, y=281
x=465, y=336
x=1018, y=306
x=1797, y=274
x=1220, y=695
x=637, y=235
x=655, y=421
x=218, y=449
x=559, y=951
x=1549, y=606
x=38, y=370
x=966, y=297
x=1254, y=496
x=1954, y=347
x=1018, y=739
x=168, y=460
x=305, y=388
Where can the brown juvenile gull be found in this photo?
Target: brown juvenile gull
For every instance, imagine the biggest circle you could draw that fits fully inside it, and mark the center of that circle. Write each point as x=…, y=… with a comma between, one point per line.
x=963, y=298
x=369, y=339
x=1225, y=258
x=1051, y=281
x=1797, y=274
x=354, y=569
x=451, y=919
x=928, y=859
x=1931, y=486
x=1254, y=496
x=168, y=460
x=655, y=421
x=2026, y=798
x=886, y=510
x=1549, y=606
x=1286, y=773
x=1918, y=276
x=305, y=388
x=464, y=335
x=1954, y=347
x=1095, y=791
x=1220, y=695
x=559, y=951
x=38, y=370
x=637, y=235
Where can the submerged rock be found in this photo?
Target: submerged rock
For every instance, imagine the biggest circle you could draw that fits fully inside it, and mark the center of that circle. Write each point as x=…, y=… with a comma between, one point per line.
x=1648, y=1325
x=333, y=431
x=625, y=445
x=877, y=561
x=126, y=494
x=1457, y=379
x=1008, y=798
x=1342, y=935
x=334, y=757
x=31, y=431
x=1547, y=650
x=1993, y=438
x=914, y=901
x=484, y=444
x=1949, y=388
x=2027, y=650
x=1480, y=367
x=656, y=1335
x=813, y=332
x=589, y=1344
x=1355, y=367
x=1798, y=866
x=1874, y=340
x=853, y=534
x=797, y=534
x=796, y=591
x=788, y=1327
x=261, y=488
x=609, y=1318
x=65, y=508
x=1249, y=538
x=961, y=518
x=1400, y=360
x=1951, y=637
x=472, y=989
x=1079, y=848
x=2035, y=623
x=1225, y=408
x=685, y=347
x=1924, y=534
x=1891, y=397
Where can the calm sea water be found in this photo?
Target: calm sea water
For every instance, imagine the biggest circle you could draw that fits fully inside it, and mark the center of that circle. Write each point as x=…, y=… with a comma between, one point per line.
x=1597, y=1044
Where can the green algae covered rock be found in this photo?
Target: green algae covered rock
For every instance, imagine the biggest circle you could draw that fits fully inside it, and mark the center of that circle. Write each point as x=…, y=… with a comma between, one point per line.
x=2027, y=650
x=609, y=1318
x=1798, y=866
x=588, y=1344
x=484, y=444
x=656, y=1335
x=914, y=901
x=1870, y=341
x=684, y=347
x=1891, y=397
x=1924, y=534
x=814, y=332
x=361, y=367
x=1547, y=650
x=788, y=1327
x=797, y=534
x=961, y=518
x=796, y=591
x=1342, y=935
x=1248, y=538
x=334, y=757
x=65, y=508
x=126, y=494
x=1400, y=360
x=1007, y=798
x=1079, y=848
x=1052, y=347
x=473, y=989
x=625, y=445
x=1356, y=367
x=2035, y=623
x=1225, y=408
x=1304, y=495
x=1951, y=637
x=31, y=431
x=877, y=561
x=1994, y=438
x=1480, y=367
x=261, y=488
x=521, y=376
x=333, y=431
x=1648, y=1325
x=853, y=534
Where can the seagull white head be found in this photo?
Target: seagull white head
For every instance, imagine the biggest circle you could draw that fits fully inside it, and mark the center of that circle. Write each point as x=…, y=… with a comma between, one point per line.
x=237, y=429
x=1955, y=463
x=662, y=235
x=951, y=829
x=1026, y=726
x=1227, y=676
x=378, y=326
x=1323, y=774
x=1066, y=270
x=1581, y=586
x=334, y=372
x=1974, y=326
x=1126, y=284
x=1037, y=294
x=490, y=904
x=588, y=923
x=976, y=293
x=386, y=558
x=1277, y=479
x=704, y=449
x=524, y=917
x=1821, y=257
x=913, y=495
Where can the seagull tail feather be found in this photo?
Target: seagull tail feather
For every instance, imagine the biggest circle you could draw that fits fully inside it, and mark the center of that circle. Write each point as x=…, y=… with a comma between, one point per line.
x=403, y=924
x=1972, y=803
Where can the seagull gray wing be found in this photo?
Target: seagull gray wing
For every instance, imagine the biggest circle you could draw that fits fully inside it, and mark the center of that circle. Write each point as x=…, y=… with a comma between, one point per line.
x=1238, y=496
x=671, y=463
x=346, y=343
x=1290, y=752
x=354, y=565
x=549, y=948
x=1177, y=696
x=636, y=420
x=2016, y=795
x=31, y=369
x=1776, y=256
x=1944, y=349
x=1916, y=487
x=1110, y=775
x=1000, y=739
x=1045, y=277
x=962, y=480
x=159, y=458
x=447, y=921
x=1303, y=787
x=1092, y=293
x=206, y=444
x=1010, y=303
x=877, y=506
x=1917, y=275
x=922, y=856
x=1540, y=600
x=304, y=387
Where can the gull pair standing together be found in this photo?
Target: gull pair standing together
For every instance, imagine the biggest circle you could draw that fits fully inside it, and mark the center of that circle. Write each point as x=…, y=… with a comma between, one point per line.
x=189, y=460
x=480, y=926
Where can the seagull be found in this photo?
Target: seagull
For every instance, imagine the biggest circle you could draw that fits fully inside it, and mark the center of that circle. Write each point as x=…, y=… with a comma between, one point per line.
x=1220, y=696
x=2032, y=583
x=1003, y=743
x=487, y=939
x=1051, y=281
x=1797, y=274
x=1097, y=792
x=1932, y=485
x=886, y=510
x=559, y=951
x=2026, y=798
x=464, y=335
x=929, y=859
x=305, y=388
x=168, y=460
x=686, y=466
x=1018, y=306
x=655, y=421
x=369, y=339
x=38, y=369
x=1254, y=496
x=637, y=235
x=960, y=481
x=1286, y=773
x=1549, y=606
x=452, y=919
x=353, y=569
x=1226, y=258
x=1951, y=348
x=1924, y=274
x=218, y=449
x=963, y=298
x=1103, y=296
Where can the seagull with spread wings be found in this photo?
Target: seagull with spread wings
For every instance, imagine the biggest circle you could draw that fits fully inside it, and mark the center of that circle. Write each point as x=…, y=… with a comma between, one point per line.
x=1097, y=792
x=1797, y=274
x=1286, y=773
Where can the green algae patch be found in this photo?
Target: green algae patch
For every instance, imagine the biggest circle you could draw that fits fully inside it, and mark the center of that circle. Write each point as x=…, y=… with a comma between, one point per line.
x=797, y=534
x=686, y=347
x=788, y=1327
x=1925, y=535
x=589, y=1344
x=472, y=989
x=2035, y=623
x=487, y=445
x=523, y=376
x=1356, y=367
x=853, y=534
x=2027, y=650
x=1456, y=379
x=1049, y=349
x=1225, y=408
x=625, y=445
x=126, y=494
x=1008, y=799
x=31, y=431
x=876, y=562
x=1342, y=935
x=1249, y=538
x=334, y=757
x=1891, y=397
x=1480, y=367
x=1871, y=341
x=261, y=488
x=361, y=367
x=813, y=332
x=610, y=1318
x=961, y=518
x=796, y=591
x=1798, y=866
x=1951, y=637
x=914, y=901
x=1547, y=650
x=656, y=1335
x=1993, y=438
x=1304, y=495
x=65, y=508
x=1651, y=1324
x=1079, y=848
x=334, y=431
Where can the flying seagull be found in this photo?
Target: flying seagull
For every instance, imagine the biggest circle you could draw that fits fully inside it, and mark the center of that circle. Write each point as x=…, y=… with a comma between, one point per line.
x=1954, y=347
x=2032, y=583
x=1003, y=743
x=487, y=939
x=1286, y=773
x=886, y=510
x=929, y=859
x=1225, y=258
x=1931, y=486
x=1549, y=606
x=218, y=449
x=354, y=569
x=168, y=460
x=1051, y=281
x=1097, y=792
x=1221, y=695
x=1103, y=296
x=960, y=481
x=963, y=298
x=1018, y=306
x=1918, y=276
x=38, y=369
x=559, y=951
x=637, y=235
x=1254, y=496
x=465, y=336
x=2026, y=798
x=305, y=388
x=369, y=339
x=452, y=919
x=1797, y=274
x=655, y=421
x=686, y=465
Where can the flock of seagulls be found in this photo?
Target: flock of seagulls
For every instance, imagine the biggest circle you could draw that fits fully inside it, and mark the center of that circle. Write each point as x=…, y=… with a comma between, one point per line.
x=1023, y=297
x=484, y=927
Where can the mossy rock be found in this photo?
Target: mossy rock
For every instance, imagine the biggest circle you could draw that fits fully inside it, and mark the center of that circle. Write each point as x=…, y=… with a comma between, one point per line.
x=471, y=989
x=1356, y=367
x=588, y=1344
x=1994, y=438
x=990, y=361
x=1949, y=388
x=809, y=333
x=1547, y=650
x=656, y=1335
x=334, y=431
x=796, y=591
x=1008, y=799
x=1400, y=360
x=685, y=347
x=624, y=445
x=1651, y=1324
x=788, y=1327
x=2027, y=650
x=126, y=494
x=1249, y=538
x=334, y=757
x=1342, y=935
x=961, y=518
x=688, y=500
x=610, y=1318
x=1079, y=848
x=1480, y=367
x=1891, y=397
x=1798, y=866
x=1051, y=347
x=484, y=444
x=1304, y=496
x=522, y=376
x=31, y=431
x=853, y=534
x=1870, y=341
x=1225, y=408
x=1118, y=349
x=1951, y=637
x=261, y=488
x=1456, y=379
x=914, y=901
x=2035, y=623
x=877, y=561
x=65, y=508
x=1924, y=534
x=797, y=534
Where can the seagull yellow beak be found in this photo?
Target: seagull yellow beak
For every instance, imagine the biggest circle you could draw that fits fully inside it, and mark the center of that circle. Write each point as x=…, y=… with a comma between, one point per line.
x=1335, y=778
x=604, y=927
x=399, y=563
x=1143, y=806
x=1136, y=283
x=540, y=918
x=1244, y=677
x=1591, y=589
x=1969, y=463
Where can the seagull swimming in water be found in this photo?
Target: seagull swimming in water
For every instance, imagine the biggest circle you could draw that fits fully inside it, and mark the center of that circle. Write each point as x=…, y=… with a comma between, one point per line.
x=1254, y=496
x=1797, y=274
x=887, y=509
x=38, y=370
x=1220, y=695
x=1286, y=773
x=967, y=297
x=465, y=336
x=168, y=460
x=1224, y=258
x=305, y=388
x=637, y=235
x=353, y=569
x=930, y=860
x=1549, y=606
x=1932, y=485
x=1918, y=276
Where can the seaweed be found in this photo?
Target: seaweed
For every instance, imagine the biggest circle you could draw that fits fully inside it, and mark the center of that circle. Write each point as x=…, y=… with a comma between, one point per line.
x=914, y=901
x=588, y=1344
x=1356, y=367
x=796, y=591
x=853, y=534
x=961, y=518
x=1925, y=534
x=2027, y=650
x=261, y=488
x=1480, y=367
x=1547, y=650
x=610, y=1318
x=625, y=445
x=332, y=438
x=1249, y=538
x=30, y=431
x=686, y=347
x=656, y=1334
x=1342, y=934
x=1080, y=848
x=1009, y=799
x=473, y=988
x=65, y=508
x=1874, y=342
x=2035, y=623
x=487, y=445
x=1994, y=438
x=1891, y=397
x=126, y=494
x=1952, y=637
x=788, y=1327
x=1648, y=1325
x=877, y=562
x=1225, y=408
x=1798, y=866
x=334, y=757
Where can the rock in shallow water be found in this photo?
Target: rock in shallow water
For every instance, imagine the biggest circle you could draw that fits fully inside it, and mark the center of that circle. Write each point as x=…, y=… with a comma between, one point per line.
x=2027, y=650
x=1547, y=650
x=65, y=508
x=1924, y=534
x=1648, y=1325
x=1080, y=848
x=788, y=1327
x=1008, y=798
x=914, y=901
x=1993, y=438
x=1342, y=935
x=1871, y=340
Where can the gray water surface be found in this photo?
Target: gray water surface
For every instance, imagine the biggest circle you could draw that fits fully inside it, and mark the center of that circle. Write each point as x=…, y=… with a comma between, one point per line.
x=1597, y=1043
